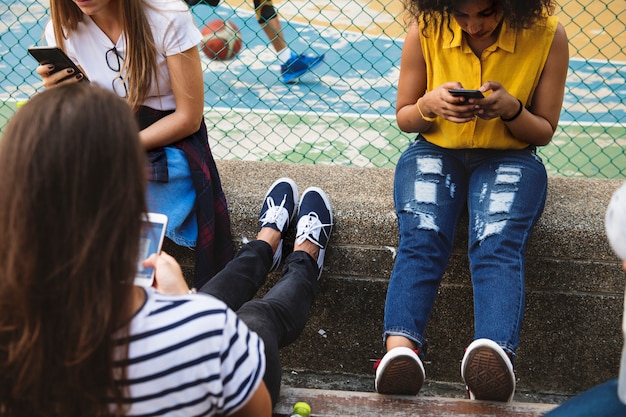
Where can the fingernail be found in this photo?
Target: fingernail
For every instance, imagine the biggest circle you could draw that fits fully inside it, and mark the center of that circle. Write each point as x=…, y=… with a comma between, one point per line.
x=79, y=76
x=70, y=70
x=50, y=67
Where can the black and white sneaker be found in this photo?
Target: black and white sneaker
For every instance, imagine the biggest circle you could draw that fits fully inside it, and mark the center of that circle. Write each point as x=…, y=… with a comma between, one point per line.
x=278, y=217
x=315, y=221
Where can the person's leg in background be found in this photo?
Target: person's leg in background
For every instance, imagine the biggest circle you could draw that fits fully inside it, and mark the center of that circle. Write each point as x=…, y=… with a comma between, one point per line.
x=292, y=64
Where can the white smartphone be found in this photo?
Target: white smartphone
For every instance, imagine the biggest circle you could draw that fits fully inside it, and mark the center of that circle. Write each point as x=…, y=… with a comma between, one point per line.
x=150, y=241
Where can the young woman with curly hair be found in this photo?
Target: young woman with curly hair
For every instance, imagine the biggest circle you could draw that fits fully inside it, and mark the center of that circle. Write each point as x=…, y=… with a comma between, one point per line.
x=476, y=155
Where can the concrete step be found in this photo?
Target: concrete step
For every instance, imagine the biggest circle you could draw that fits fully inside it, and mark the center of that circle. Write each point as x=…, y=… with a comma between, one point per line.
x=571, y=337
x=364, y=404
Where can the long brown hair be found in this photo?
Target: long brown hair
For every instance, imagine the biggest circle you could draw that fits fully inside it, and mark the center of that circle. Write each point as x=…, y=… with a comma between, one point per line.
x=71, y=197
x=140, y=61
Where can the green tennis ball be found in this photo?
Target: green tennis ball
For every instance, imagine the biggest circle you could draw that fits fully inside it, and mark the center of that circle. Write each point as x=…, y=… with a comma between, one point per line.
x=302, y=409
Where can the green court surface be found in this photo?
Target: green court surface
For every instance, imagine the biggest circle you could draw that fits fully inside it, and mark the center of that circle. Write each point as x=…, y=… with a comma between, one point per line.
x=593, y=151
x=576, y=151
x=7, y=108
x=346, y=115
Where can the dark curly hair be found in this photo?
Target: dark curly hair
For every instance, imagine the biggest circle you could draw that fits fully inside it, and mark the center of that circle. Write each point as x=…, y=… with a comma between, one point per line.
x=518, y=14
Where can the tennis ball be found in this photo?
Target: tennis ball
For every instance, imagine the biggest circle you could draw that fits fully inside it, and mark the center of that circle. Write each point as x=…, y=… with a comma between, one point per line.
x=302, y=409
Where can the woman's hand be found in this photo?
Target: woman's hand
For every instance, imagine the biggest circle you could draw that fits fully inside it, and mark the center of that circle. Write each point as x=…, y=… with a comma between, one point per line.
x=455, y=109
x=168, y=276
x=52, y=80
x=498, y=104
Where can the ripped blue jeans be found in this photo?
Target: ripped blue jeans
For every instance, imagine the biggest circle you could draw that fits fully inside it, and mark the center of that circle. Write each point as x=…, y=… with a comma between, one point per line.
x=504, y=192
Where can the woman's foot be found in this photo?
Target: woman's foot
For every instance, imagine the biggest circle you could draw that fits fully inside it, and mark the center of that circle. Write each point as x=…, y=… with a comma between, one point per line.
x=400, y=372
x=315, y=223
x=283, y=192
x=488, y=372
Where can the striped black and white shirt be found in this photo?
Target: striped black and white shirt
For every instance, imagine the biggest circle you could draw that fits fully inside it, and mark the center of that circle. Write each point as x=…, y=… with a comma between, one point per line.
x=190, y=356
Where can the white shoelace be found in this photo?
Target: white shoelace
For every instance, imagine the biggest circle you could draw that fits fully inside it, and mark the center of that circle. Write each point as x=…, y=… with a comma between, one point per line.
x=310, y=229
x=275, y=214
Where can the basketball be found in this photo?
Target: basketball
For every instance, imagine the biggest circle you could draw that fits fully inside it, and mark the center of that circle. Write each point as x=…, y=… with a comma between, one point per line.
x=221, y=40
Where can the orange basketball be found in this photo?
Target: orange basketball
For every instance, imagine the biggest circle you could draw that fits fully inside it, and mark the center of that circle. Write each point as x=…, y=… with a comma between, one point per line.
x=221, y=40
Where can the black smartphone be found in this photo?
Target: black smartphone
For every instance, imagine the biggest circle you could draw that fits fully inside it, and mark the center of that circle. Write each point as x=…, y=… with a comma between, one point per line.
x=151, y=240
x=55, y=56
x=467, y=93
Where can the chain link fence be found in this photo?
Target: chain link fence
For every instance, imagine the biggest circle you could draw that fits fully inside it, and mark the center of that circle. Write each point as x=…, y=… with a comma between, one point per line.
x=343, y=111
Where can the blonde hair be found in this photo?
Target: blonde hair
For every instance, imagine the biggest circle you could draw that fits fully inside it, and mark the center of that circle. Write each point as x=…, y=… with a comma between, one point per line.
x=139, y=64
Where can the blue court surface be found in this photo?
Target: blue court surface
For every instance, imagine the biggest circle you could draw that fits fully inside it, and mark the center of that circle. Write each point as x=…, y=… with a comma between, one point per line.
x=344, y=111
x=358, y=77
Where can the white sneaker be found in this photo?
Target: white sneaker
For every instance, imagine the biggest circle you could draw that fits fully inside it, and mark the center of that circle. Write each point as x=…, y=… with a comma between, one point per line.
x=488, y=372
x=400, y=372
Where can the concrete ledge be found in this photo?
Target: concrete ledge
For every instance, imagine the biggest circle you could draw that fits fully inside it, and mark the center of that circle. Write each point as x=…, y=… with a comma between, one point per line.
x=361, y=404
x=571, y=338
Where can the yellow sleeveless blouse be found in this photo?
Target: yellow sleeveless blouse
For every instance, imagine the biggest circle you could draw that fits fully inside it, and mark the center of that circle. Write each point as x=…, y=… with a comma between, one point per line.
x=515, y=60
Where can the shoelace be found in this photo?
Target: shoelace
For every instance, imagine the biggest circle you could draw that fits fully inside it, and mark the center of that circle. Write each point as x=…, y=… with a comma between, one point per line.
x=378, y=361
x=274, y=212
x=313, y=223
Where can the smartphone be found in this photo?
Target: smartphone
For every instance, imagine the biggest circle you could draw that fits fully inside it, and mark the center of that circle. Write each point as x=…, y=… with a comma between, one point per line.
x=150, y=241
x=55, y=56
x=467, y=93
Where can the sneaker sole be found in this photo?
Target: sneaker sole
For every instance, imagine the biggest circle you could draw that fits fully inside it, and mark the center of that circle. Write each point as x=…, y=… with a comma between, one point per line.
x=402, y=375
x=487, y=375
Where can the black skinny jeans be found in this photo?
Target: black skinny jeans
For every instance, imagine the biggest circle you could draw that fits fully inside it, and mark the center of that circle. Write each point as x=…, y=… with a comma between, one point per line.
x=279, y=317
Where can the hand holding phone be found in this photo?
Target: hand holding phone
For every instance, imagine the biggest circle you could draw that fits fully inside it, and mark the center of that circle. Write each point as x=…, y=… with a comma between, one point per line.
x=52, y=55
x=150, y=241
x=466, y=93
x=168, y=277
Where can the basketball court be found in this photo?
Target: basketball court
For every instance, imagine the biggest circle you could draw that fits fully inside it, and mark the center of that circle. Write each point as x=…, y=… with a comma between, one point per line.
x=344, y=112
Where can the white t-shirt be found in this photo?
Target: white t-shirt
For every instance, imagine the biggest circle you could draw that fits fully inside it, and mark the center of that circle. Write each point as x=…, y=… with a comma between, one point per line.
x=190, y=356
x=173, y=29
